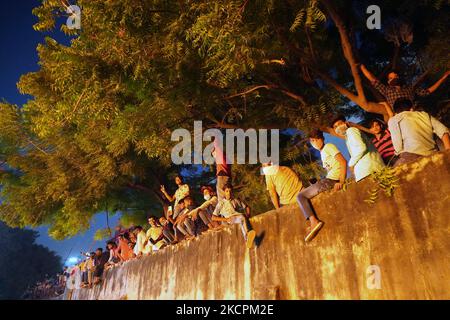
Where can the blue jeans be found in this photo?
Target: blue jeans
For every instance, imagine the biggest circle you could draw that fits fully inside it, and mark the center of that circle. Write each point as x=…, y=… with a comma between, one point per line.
x=305, y=195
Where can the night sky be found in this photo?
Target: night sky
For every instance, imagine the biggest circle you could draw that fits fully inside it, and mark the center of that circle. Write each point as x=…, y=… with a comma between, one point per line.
x=18, y=56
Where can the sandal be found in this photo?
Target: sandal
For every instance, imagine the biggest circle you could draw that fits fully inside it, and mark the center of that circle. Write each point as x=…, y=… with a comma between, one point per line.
x=313, y=232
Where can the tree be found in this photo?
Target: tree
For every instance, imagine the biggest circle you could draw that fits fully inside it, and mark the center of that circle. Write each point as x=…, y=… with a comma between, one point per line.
x=23, y=262
x=97, y=130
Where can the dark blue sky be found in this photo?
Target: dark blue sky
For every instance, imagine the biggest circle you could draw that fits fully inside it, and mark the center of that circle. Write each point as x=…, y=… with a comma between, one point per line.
x=18, y=56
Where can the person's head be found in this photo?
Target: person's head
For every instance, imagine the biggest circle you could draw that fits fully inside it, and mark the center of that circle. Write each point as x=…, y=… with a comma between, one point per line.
x=179, y=180
x=137, y=229
x=269, y=168
x=339, y=124
x=403, y=105
x=228, y=191
x=207, y=192
x=98, y=252
x=111, y=245
x=92, y=254
x=188, y=201
x=163, y=221
x=376, y=126
x=393, y=79
x=152, y=221
x=316, y=139
x=118, y=228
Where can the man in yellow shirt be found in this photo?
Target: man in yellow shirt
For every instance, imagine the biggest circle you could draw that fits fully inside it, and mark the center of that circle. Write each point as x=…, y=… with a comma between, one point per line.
x=282, y=183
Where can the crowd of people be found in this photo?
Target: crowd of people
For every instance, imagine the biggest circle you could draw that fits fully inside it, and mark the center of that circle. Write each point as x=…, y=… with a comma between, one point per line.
x=48, y=288
x=407, y=136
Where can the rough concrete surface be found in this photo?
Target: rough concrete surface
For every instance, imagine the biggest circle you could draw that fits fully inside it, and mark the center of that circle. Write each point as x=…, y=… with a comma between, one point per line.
x=406, y=238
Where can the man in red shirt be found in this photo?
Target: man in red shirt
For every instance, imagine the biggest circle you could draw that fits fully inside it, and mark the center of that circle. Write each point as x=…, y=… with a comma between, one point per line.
x=223, y=169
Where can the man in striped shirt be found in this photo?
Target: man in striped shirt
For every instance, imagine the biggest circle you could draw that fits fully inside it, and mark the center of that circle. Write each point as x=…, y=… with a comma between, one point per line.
x=382, y=141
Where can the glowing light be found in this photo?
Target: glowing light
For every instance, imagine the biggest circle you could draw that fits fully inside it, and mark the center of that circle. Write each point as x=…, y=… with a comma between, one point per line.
x=72, y=260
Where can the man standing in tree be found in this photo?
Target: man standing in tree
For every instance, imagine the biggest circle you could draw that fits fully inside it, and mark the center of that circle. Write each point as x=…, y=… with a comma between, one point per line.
x=223, y=169
x=396, y=89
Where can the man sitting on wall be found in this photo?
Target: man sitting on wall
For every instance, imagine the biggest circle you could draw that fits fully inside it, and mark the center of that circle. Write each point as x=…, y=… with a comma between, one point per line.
x=282, y=183
x=364, y=158
x=336, y=165
x=185, y=223
x=412, y=132
x=101, y=258
x=169, y=236
x=206, y=210
x=231, y=210
x=155, y=236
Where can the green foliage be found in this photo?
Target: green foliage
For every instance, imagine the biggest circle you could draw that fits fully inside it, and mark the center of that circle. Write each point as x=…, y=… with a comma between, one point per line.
x=102, y=234
x=23, y=262
x=96, y=134
x=386, y=180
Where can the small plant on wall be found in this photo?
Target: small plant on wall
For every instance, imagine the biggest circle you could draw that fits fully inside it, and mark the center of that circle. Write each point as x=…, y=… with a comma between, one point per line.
x=386, y=180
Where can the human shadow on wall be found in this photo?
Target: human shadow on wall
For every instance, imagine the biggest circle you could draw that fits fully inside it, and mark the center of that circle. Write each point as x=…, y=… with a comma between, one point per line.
x=259, y=238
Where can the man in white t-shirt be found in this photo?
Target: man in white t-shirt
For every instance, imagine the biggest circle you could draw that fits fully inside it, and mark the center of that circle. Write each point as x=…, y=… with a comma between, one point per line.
x=413, y=132
x=364, y=157
x=336, y=165
x=231, y=210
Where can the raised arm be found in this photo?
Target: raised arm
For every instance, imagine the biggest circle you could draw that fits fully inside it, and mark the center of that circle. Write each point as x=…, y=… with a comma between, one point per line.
x=330, y=131
x=358, y=126
x=168, y=196
x=437, y=84
x=389, y=111
x=368, y=74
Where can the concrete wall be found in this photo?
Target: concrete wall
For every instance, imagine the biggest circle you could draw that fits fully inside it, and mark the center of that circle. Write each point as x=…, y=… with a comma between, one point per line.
x=406, y=235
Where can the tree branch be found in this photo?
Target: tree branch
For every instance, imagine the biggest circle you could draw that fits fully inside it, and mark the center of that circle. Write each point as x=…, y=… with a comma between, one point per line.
x=347, y=49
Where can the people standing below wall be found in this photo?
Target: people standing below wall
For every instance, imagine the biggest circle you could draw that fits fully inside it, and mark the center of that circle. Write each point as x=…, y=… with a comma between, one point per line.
x=182, y=191
x=90, y=268
x=382, y=139
x=231, y=210
x=336, y=166
x=364, y=158
x=282, y=183
x=412, y=132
